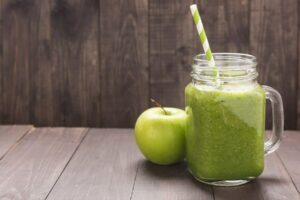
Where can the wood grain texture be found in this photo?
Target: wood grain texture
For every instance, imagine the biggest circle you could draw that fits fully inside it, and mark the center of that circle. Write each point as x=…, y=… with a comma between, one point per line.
x=298, y=55
x=104, y=167
x=168, y=182
x=273, y=33
x=226, y=24
x=43, y=108
x=30, y=170
x=289, y=153
x=1, y=59
x=19, y=24
x=51, y=70
x=57, y=163
x=96, y=62
x=75, y=57
x=26, y=70
x=186, y=47
x=273, y=184
x=124, y=61
x=172, y=40
x=10, y=136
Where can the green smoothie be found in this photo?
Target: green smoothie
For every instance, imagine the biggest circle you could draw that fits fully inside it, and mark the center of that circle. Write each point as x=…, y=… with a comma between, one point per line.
x=225, y=133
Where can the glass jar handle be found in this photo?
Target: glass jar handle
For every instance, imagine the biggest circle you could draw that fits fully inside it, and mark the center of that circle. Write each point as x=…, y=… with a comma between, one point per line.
x=273, y=143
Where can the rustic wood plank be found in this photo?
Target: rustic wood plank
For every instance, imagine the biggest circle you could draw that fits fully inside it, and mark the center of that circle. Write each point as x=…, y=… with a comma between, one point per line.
x=75, y=57
x=104, y=167
x=30, y=170
x=273, y=33
x=168, y=182
x=10, y=136
x=53, y=65
x=19, y=26
x=124, y=61
x=50, y=72
x=273, y=184
x=172, y=40
x=226, y=24
x=187, y=46
x=1, y=59
x=298, y=93
x=289, y=153
x=43, y=109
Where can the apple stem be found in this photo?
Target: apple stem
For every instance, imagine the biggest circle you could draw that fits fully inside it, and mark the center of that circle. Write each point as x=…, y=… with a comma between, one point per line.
x=158, y=105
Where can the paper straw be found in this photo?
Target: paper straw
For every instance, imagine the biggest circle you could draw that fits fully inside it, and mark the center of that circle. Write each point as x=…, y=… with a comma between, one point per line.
x=203, y=39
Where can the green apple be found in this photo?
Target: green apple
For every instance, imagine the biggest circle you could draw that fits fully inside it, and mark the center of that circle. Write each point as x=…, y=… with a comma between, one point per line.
x=160, y=135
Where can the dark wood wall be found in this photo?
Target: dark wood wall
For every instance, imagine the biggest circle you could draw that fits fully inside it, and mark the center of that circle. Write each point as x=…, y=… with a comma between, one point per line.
x=97, y=62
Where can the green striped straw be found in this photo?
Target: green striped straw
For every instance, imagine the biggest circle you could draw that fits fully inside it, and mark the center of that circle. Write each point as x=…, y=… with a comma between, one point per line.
x=204, y=40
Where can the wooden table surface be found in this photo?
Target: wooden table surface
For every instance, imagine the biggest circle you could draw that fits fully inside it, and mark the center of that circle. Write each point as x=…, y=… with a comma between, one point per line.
x=81, y=163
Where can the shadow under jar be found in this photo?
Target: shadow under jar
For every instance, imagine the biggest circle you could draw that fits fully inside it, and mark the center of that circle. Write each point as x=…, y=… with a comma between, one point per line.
x=226, y=120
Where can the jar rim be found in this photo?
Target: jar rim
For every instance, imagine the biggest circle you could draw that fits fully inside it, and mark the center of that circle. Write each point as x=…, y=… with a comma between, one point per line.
x=227, y=60
x=233, y=68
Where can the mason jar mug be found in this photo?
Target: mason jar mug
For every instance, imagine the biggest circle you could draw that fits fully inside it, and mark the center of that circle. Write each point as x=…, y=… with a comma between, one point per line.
x=225, y=142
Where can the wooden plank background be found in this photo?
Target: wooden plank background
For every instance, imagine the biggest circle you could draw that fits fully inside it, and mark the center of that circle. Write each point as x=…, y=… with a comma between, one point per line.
x=97, y=62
